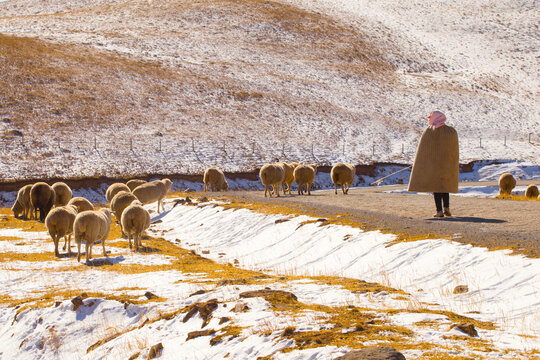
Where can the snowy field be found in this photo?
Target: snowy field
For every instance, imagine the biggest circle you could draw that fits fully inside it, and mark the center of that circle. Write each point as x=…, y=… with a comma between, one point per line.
x=259, y=88
x=297, y=254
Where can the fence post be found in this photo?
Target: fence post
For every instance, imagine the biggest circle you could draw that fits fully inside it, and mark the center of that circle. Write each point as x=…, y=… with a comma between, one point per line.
x=402, y=148
x=22, y=140
x=480, y=142
x=373, y=151
x=130, y=144
x=95, y=143
x=312, y=151
x=283, y=149
x=192, y=144
x=343, y=149
x=159, y=144
x=530, y=142
x=504, y=140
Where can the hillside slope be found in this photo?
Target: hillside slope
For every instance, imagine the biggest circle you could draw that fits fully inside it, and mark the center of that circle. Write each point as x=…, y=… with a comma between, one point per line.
x=107, y=85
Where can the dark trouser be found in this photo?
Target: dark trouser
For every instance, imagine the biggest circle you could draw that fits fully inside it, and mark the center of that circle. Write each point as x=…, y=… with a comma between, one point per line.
x=441, y=198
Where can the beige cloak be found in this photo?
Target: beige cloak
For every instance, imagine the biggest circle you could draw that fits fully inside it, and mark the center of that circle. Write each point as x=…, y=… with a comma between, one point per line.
x=436, y=165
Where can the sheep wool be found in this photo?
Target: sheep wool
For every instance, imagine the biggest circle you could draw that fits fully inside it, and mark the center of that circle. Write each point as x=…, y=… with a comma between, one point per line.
x=42, y=198
x=214, y=179
x=436, y=165
x=81, y=204
x=531, y=192
x=90, y=227
x=135, y=219
x=115, y=189
x=272, y=175
x=63, y=193
x=23, y=204
x=507, y=183
x=132, y=184
x=59, y=223
x=343, y=175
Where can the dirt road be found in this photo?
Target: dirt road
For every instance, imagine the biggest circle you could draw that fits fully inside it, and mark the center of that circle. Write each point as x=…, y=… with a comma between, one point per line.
x=492, y=223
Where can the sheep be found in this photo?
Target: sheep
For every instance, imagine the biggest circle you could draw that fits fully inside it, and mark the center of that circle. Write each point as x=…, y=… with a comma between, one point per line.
x=507, y=182
x=22, y=204
x=81, y=204
x=132, y=184
x=63, y=193
x=532, y=191
x=119, y=202
x=272, y=175
x=135, y=219
x=305, y=175
x=42, y=197
x=289, y=175
x=343, y=174
x=215, y=179
x=114, y=189
x=153, y=191
x=59, y=222
x=91, y=227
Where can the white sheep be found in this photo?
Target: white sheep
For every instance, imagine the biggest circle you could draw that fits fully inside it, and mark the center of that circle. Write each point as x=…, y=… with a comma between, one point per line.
x=59, y=222
x=289, y=175
x=272, y=175
x=215, y=179
x=119, y=202
x=343, y=174
x=63, y=193
x=507, y=183
x=135, y=219
x=23, y=204
x=153, y=191
x=304, y=175
x=81, y=204
x=132, y=184
x=91, y=227
x=115, y=189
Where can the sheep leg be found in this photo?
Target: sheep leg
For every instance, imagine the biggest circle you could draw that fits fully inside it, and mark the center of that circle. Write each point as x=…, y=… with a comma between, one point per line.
x=78, y=249
x=56, y=239
x=308, y=189
x=103, y=244
x=69, y=245
x=276, y=188
x=136, y=241
x=343, y=189
x=205, y=187
x=335, y=185
x=129, y=239
x=265, y=190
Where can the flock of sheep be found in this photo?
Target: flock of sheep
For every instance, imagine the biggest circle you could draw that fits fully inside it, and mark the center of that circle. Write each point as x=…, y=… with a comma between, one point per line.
x=284, y=174
x=65, y=215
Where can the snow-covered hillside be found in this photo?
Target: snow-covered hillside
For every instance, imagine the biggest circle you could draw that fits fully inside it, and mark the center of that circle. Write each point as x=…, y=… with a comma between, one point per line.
x=237, y=84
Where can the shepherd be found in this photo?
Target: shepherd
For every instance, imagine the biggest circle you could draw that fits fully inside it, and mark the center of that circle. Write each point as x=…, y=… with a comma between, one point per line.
x=436, y=165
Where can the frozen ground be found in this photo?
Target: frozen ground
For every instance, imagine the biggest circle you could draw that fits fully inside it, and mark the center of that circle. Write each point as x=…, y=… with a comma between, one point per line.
x=502, y=289
x=238, y=84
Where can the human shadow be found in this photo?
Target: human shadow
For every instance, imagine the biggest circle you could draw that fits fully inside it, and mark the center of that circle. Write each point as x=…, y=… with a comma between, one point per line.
x=470, y=219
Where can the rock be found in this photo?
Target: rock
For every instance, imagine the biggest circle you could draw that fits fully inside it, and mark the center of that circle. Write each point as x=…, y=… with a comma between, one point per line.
x=77, y=302
x=150, y=295
x=373, y=353
x=461, y=289
x=279, y=221
x=196, y=334
x=206, y=252
x=134, y=356
x=232, y=282
x=155, y=351
x=57, y=304
x=270, y=294
x=204, y=309
x=203, y=199
x=466, y=328
x=224, y=320
x=240, y=307
x=198, y=292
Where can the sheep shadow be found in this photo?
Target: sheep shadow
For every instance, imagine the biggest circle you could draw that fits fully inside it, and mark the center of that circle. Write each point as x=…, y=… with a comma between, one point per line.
x=104, y=261
x=469, y=219
x=146, y=250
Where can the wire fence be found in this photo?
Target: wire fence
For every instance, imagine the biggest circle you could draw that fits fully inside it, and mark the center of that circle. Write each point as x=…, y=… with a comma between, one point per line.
x=22, y=155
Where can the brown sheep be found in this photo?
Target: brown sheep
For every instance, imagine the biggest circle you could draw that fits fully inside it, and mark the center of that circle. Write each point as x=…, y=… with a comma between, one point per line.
x=214, y=179
x=81, y=204
x=135, y=219
x=119, y=202
x=343, y=174
x=272, y=175
x=507, y=183
x=115, y=189
x=59, y=222
x=23, y=204
x=42, y=198
x=63, y=193
x=132, y=184
x=289, y=175
x=91, y=227
x=153, y=191
x=531, y=192
x=304, y=175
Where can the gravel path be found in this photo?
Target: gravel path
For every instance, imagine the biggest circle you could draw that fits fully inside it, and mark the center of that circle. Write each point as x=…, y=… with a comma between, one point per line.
x=491, y=223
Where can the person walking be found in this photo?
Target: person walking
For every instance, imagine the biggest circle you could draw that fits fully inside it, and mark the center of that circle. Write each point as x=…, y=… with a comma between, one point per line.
x=436, y=164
